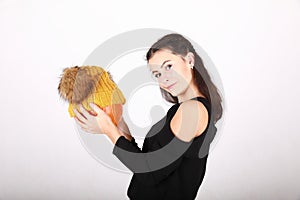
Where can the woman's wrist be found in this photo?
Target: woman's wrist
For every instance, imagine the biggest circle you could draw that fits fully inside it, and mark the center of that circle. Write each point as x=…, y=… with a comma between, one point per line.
x=114, y=135
x=123, y=128
x=127, y=136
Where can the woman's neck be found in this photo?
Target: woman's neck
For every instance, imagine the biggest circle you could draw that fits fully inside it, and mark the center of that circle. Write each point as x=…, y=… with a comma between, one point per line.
x=191, y=92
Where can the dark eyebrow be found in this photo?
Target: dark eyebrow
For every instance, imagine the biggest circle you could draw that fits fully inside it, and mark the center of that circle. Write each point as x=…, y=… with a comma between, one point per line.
x=162, y=65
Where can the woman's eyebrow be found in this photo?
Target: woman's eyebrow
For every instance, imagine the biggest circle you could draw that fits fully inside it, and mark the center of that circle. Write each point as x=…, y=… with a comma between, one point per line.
x=162, y=65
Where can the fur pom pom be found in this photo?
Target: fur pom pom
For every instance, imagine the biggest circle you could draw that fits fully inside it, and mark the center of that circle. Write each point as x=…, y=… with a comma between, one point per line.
x=77, y=83
x=86, y=84
x=66, y=84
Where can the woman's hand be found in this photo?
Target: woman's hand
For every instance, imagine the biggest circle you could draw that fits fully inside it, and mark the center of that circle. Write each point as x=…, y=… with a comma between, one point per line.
x=99, y=122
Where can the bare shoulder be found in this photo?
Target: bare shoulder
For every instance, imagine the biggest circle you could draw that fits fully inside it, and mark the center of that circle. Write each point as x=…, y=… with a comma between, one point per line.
x=190, y=120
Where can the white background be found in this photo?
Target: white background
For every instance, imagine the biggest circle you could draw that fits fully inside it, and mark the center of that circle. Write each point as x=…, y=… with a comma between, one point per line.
x=254, y=45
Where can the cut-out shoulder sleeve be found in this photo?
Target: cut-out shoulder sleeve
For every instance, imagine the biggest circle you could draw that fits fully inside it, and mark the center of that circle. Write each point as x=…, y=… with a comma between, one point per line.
x=190, y=120
x=162, y=152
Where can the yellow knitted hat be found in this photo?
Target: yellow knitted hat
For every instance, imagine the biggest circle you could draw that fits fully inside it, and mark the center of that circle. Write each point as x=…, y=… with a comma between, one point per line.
x=88, y=84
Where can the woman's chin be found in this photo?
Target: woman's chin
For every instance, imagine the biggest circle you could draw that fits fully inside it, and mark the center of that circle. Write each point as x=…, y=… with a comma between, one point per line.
x=173, y=93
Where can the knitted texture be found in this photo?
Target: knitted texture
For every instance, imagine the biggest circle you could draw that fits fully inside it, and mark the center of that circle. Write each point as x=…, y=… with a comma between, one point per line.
x=88, y=84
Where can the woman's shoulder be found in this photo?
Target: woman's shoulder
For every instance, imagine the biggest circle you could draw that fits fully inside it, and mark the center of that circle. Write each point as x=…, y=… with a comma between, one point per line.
x=190, y=119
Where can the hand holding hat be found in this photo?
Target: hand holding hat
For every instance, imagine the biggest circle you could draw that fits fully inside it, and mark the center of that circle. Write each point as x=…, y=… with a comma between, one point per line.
x=91, y=84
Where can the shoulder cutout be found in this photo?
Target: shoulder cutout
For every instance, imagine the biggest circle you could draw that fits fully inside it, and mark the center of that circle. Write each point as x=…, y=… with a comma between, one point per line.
x=190, y=120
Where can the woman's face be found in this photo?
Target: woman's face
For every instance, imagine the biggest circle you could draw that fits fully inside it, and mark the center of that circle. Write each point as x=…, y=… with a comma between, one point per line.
x=172, y=72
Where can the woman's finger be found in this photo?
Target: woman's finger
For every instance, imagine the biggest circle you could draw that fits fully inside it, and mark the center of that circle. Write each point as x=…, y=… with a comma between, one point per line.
x=79, y=116
x=78, y=120
x=84, y=111
x=96, y=108
x=88, y=130
x=81, y=124
x=85, y=130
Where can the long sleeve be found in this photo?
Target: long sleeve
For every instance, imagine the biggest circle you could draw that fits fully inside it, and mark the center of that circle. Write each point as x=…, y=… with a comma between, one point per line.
x=150, y=167
x=166, y=167
x=123, y=143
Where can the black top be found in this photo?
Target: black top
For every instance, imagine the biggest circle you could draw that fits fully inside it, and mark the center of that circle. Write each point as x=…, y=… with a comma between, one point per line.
x=166, y=167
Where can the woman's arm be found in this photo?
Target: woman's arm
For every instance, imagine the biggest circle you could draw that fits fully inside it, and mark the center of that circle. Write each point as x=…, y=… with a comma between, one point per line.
x=151, y=167
x=122, y=125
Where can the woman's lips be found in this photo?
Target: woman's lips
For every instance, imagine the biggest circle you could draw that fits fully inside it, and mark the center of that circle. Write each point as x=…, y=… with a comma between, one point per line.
x=171, y=86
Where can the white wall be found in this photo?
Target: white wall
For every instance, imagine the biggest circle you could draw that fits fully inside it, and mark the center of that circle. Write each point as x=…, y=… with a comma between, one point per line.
x=254, y=45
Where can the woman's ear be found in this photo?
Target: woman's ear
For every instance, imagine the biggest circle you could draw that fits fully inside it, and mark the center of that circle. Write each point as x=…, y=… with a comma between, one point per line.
x=190, y=58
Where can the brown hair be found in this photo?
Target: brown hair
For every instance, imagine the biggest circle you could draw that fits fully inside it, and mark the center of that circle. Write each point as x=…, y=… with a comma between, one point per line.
x=179, y=45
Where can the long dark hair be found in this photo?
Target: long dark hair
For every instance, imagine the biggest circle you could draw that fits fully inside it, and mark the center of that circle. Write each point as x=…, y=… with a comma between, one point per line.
x=179, y=45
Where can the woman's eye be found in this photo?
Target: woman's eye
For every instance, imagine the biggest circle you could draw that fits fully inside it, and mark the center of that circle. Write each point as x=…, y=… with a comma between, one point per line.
x=168, y=67
x=157, y=75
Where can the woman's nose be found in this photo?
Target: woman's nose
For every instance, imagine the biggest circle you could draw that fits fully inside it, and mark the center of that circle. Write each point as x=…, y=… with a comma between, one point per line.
x=165, y=77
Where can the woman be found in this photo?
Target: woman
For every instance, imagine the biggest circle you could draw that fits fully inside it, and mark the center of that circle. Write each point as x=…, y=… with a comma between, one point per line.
x=172, y=162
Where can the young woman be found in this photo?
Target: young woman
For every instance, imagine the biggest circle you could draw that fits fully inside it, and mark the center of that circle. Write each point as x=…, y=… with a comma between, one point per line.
x=172, y=162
